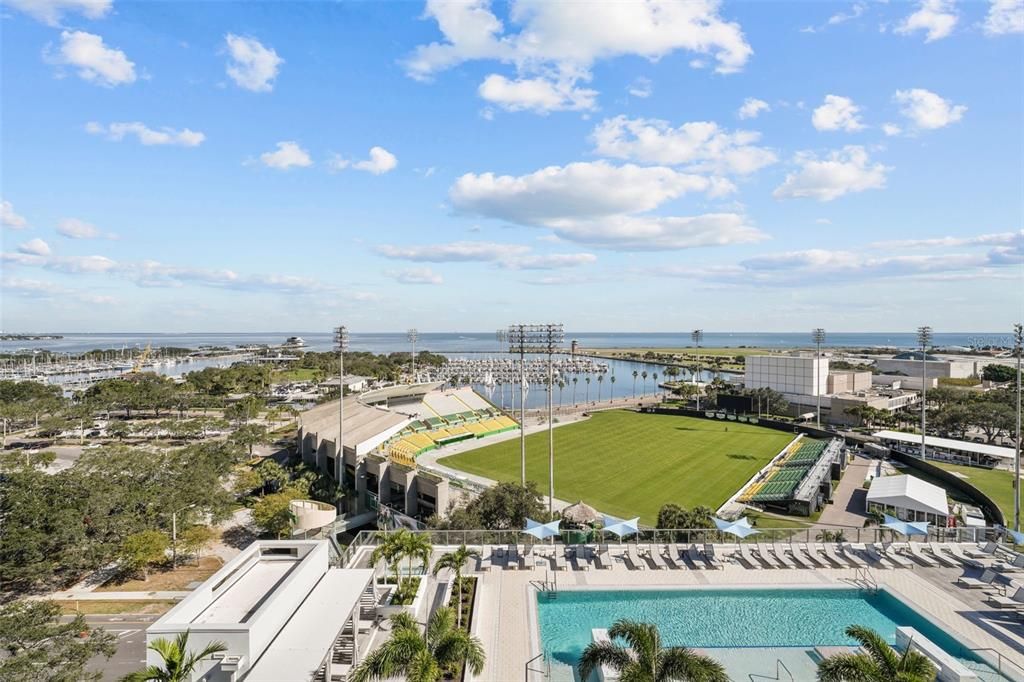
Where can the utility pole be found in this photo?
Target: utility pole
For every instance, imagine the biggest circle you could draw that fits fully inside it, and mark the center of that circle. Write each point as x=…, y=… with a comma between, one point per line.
x=1018, y=350
x=818, y=336
x=697, y=335
x=413, y=336
x=340, y=345
x=924, y=339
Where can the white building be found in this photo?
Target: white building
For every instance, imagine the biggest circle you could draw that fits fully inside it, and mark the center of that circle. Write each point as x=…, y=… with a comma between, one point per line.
x=908, y=498
x=790, y=374
x=947, y=449
x=280, y=610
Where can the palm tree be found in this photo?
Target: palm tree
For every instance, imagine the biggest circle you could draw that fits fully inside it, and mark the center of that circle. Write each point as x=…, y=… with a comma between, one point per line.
x=574, y=381
x=645, y=659
x=454, y=561
x=611, y=389
x=178, y=662
x=587, y=399
x=390, y=550
x=644, y=375
x=415, y=546
x=655, y=377
x=561, y=385
x=879, y=662
x=600, y=380
x=635, y=374
x=421, y=656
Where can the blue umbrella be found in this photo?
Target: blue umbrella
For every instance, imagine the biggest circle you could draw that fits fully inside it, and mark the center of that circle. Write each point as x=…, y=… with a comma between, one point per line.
x=620, y=527
x=542, y=530
x=740, y=528
x=906, y=527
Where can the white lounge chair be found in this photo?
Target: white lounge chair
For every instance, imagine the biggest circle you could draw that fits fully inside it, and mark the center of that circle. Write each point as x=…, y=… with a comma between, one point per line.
x=671, y=555
x=813, y=558
x=634, y=562
x=890, y=553
x=1015, y=566
x=788, y=552
x=711, y=557
x=603, y=558
x=748, y=558
x=483, y=562
x=988, y=577
x=764, y=555
x=512, y=558
x=1015, y=601
x=940, y=555
x=654, y=554
x=914, y=550
x=694, y=555
x=582, y=557
x=559, y=558
x=850, y=553
x=954, y=551
x=832, y=555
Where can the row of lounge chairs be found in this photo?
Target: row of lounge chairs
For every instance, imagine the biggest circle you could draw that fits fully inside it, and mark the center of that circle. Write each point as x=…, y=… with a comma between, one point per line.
x=583, y=557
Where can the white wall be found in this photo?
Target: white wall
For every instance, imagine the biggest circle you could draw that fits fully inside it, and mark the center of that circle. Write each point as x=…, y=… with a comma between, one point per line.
x=804, y=375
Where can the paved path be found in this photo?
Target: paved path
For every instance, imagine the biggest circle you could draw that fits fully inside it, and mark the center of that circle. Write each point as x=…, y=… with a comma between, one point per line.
x=138, y=595
x=847, y=508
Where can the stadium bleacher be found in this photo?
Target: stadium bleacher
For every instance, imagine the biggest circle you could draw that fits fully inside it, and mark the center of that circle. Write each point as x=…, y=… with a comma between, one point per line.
x=780, y=482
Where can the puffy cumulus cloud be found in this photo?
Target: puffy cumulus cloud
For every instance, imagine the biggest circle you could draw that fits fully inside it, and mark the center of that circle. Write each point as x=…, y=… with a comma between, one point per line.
x=844, y=171
x=655, y=233
x=561, y=41
x=146, y=135
x=1004, y=16
x=252, y=65
x=837, y=113
x=415, y=276
x=50, y=12
x=700, y=145
x=936, y=18
x=94, y=61
x=379, y=162
x=35, y=247
x=288, y=155
x=752, y=108
x=926, y=110
x=73, y=228
x=9, y=218
x=641, y=87
x=536, y=94
x=891, y=129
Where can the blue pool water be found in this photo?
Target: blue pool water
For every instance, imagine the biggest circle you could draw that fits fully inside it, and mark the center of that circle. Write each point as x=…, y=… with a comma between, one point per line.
x=729, y=618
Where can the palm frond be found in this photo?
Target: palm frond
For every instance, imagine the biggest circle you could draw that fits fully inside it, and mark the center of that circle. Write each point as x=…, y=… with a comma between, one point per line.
x=685, y=665
x=848, y=668
x=441, y=623
x=876, y=647
x=643, y=638
x=391, y=659
x=457, y=646
x=604, y=653
x=403, y=620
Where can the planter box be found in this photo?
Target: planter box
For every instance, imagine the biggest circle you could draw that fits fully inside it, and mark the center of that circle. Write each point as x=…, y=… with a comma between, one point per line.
x=413, y=609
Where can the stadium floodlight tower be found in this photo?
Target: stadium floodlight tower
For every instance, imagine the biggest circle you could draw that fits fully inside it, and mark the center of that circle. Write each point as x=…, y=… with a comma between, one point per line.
x=340, y=345
x=924, y=339
x=818, y=336
x=1018, y=350
x=697, y=335
x=539, y=338
x=413, y=335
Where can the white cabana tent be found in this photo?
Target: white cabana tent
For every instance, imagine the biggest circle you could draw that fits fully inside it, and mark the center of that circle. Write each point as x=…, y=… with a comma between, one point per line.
x=908, y=498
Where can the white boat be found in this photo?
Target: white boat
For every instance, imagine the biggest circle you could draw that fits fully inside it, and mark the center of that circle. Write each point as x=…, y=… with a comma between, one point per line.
x=294, y=342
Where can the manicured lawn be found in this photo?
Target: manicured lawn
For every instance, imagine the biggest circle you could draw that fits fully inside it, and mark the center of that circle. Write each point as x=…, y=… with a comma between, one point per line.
x=178, y=579
x=115, y=607
x=629, y=464
x=995, y=483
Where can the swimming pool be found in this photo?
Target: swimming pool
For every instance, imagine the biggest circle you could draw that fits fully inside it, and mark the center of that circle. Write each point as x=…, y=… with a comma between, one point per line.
x=730, y=618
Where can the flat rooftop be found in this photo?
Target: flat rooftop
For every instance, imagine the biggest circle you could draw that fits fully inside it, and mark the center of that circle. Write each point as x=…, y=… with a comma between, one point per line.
x=948, y=443
x=241, y=599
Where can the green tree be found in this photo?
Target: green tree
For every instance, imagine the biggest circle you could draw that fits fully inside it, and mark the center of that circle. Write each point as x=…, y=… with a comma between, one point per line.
x=272, y=475
x=195, y=539
x=390, y=551
x=413, y=547
x=671, y=515
x=179, y=663
x=38, y=647
x=273, y=514
x=645, y=659
x=249, y=436
x=878, y=662
x=424, y=656
x=245, y=480
x=455, y=561
x=999, y=373
x=140, y=550
x=504, y=506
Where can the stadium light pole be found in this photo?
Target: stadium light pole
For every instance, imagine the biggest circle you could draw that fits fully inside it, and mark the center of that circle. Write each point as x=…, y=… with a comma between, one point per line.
x=413, y=335
x=340, y=345
x=516, y=338
x=502, y=336
x=924, y=339
x=818, y=336
x=697, y=335
x=1018, y=350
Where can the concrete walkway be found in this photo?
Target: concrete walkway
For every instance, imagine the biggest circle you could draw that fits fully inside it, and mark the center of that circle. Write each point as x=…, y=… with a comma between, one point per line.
x=88, y=595
x=847, y=508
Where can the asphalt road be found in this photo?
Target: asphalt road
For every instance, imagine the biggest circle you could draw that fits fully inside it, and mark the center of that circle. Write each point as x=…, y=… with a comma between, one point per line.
x=131, y=644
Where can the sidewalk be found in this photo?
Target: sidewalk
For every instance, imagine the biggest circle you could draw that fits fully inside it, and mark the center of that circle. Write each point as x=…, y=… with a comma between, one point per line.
x=86, y=595
x=848, y=505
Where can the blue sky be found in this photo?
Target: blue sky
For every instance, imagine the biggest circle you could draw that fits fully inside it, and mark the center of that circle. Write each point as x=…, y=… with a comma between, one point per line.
x=647, y=166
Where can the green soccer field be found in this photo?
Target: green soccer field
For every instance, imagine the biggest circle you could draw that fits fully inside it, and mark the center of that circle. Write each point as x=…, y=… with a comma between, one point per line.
x=995, y=483
x=629, y=464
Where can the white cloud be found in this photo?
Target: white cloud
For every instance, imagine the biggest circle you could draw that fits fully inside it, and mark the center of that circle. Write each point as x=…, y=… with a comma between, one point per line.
x=1004, y=16
x=381, y=161
x=95, y=62
x=655, y=233
x=752, y=107
x=536, y=94
x=561, y=41
x=927, y=110
x=10, y=219
x=146, y=135
x=51, y=12
x=837, y=113
x=936, y=18
x=855, y=11
x=253, y=66
x=415, y=276
x=841, y=172
x=997, y=239
x=74, y=228
x=34, y=288
x=891, y=129
x=822, y=221
x=701, y=145
x=35, y=247
x=641, y=87
x=288, y=155
x=453, y=252
x=552, y=261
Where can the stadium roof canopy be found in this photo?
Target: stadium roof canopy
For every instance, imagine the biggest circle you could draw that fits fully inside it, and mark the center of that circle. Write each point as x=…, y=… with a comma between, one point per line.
x=997, y=451
x=908, y=492
x=915, y=355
